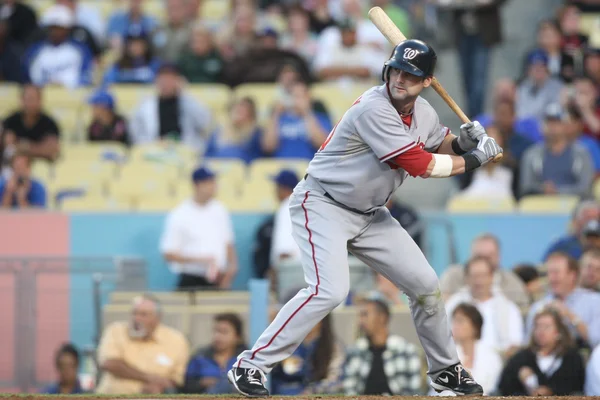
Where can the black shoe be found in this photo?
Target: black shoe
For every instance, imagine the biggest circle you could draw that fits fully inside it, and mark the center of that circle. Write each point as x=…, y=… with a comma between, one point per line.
x=248, y=381
x=458, y=380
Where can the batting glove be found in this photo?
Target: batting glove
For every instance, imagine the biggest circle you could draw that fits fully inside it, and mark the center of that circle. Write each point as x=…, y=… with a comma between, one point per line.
x=486, y=150
x=470, y=134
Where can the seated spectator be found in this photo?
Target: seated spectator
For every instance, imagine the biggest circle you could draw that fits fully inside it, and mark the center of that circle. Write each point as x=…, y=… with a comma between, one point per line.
x=171, y=39
x=578, y=307
x=531, y=278
x=549, y=366
x=10, y=55
x=295, y=130
x=298, y=37
x=131, y=21
x=59, y=59
x=87, y=16
x=30, y=130
x=320, y=15
x=240, y=137
x=573, y=42
x=207, y=370
x=584, y=98
x=591, y=236
x=198, y=240
x=67, y=365
x=538, y=90
x=347, y=59
x=556, y=166
x=21, y=19
x=572, y=243
x=592, y=64
x=201, y=62
x=21, y=190
x=502, y=320
x=494, y=179
x=237, y=38
x=381, y=363
x=142, y=355
x=505, y=281
x=106, y=125
x=590, y=270
x=483, y=361
x=315, y=367
x=136, y=64
x=408, y=218
x=171, y=114
x=574, y=127
x=560, y=64
x=592, y=375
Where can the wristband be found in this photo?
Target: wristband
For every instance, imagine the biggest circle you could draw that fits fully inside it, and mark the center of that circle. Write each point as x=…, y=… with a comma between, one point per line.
x=456, y=147
x=471, y=162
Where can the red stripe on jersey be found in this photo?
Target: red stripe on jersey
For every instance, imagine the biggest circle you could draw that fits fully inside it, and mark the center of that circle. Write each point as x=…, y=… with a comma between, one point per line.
x=396, y=152
x=413, y=161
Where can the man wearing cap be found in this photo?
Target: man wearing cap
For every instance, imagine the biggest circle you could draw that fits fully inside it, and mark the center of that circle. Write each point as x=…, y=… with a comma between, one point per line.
x=539, y=89
x=59, y=59
x=198, y=240
x=106, y=124
x=556, y=166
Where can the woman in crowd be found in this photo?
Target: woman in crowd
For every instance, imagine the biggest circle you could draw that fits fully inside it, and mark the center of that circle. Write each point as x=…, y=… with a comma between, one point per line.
x=484, y=362
x=240, y=135
x=314, y=368
x=549, y=366
x=106, y=125
x=201, y=63
x=298, y=37
x=560, y=64
x=136, y=64
x=207, y=369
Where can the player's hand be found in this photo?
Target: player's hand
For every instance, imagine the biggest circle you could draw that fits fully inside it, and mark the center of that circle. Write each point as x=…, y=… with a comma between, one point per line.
x=470, y=135
x=486, y=150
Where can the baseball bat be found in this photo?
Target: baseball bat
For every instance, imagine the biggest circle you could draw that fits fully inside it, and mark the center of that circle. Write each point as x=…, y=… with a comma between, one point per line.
x=393, y=34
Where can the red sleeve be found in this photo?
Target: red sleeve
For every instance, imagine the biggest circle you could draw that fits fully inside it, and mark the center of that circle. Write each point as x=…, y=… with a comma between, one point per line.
x=413, y=161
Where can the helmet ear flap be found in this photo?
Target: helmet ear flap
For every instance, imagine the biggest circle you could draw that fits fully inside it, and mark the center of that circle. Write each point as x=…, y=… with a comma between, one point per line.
x=385, y=74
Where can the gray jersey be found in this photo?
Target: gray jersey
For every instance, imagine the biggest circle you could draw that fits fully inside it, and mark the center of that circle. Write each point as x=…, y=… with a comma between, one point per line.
x=353, y=166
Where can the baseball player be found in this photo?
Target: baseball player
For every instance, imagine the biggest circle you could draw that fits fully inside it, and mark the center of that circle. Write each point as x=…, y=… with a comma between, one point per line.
x=389, y=132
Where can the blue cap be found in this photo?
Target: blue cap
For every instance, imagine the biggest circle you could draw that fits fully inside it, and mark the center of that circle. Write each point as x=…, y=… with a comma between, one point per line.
x=268, y=31
x=102, y=98
x=537, y=57
x=286, y=178
x=202, y=174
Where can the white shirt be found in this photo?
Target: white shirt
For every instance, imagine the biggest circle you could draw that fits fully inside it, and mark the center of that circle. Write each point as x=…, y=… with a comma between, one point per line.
x=194, y=230
x=502, y=320
x=359, y=55
x=592, y=376
x=283, y=242
x=487, y=366
x=91, y=19
x=67, y=64
x=495, y=183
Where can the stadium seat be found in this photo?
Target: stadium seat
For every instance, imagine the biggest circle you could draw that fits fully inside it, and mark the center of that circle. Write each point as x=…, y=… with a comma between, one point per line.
x=259, y=196
x=232, y=169
x=215, y=10
x=137, y=180
x=82, y=174
x=128, y=97
x=156, y=203
x=589, y=23
x=214, y=96
x=106, y=7
x=338, y=97
x=472, y=205
x=548, y=204
x=42, y=170
x=266, y=168
x=94, y=203
x=172, y=153
x=401, y=324
x=156, y=8
x=166, y=298
x=108, y=151
x=201, y=322
x=345, y=324
x=174, y=316
x=264, y=95
x=596, y=189
x=10, y=95
x=55, y=97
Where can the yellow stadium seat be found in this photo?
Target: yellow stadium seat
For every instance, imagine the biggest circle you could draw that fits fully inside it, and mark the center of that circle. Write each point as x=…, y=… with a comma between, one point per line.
x=55, y=97
x=215, y=10
x=589, y=23
x=264, y=95
x=259, y=196
x=156, y=8
x=156, y=203
x=471, y=205
x=82, y=171
x=266, y=168
x=94, y=203
x=337, y=97
x=214, y=96
x=106, y=7
x=547, y=204
x=109, y=151
x=68, y=121
x=11, y=98
x=129, y=97
x=228, y=193
x=168, y=153
x=42, y=170
x=138, y=180
x=596, y=189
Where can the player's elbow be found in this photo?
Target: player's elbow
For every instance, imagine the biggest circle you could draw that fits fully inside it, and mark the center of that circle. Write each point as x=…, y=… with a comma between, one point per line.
x=416, y=162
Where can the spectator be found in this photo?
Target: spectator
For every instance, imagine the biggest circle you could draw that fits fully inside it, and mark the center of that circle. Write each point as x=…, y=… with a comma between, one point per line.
x=584, y=98
x=502, y=320
x=397, y=14
x=572, y=243
x=494, y=179
x=578, y=307
x=549, y=366
x=560, y=64
x=207, y=370
x=591, y=236
x=320, y=16
x=132, y=21
x=574, y=128
x=531, y=278
x=201, y=62
x=142, y=355
x=347, y=59
x=21, y=19
x=367, y=371
x=295, y=130
x=592, y=376
x=556, y=166
x=10, y=65
x=171, y=114
x=505, y=281
x=171, y=39
x=59, y=59
x=481, y=360
x=261, y=254
x=538, y=90
x=298, y=37
x=136, y=63
x=573, y=42
x=592, y=65
x=408, y=218
x=67, y=365
x=30, y=130
x=106, y=125
x=240, y=137
x=315, y=367
x=198, y=240
x=386, y=290
x=21, y=191
x=86, y=16
x=590, y=270
x=238, y=37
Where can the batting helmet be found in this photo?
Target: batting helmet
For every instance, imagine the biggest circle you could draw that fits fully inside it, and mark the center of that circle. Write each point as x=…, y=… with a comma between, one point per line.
x=413, y=56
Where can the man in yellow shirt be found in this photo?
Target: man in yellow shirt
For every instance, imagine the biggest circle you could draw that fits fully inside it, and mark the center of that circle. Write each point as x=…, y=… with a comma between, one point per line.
x=142, y=355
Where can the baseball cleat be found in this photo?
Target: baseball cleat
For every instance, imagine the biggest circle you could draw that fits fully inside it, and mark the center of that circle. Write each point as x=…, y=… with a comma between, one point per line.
x=248, y=381
x=457, y=380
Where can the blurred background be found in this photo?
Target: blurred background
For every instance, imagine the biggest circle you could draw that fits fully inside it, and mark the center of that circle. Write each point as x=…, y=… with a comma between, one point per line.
x=150, y=146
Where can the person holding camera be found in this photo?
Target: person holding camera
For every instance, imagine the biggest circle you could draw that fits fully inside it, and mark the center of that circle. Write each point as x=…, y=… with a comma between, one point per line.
x=20, y=190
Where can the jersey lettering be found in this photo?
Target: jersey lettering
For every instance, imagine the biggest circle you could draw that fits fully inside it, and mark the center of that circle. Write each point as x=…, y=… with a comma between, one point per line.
x=326, y=142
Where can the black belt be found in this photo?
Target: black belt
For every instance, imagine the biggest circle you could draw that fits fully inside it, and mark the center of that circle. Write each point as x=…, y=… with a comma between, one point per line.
x=354, y=210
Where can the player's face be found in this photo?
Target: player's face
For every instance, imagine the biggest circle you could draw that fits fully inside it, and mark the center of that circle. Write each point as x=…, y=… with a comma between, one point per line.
x=404, y=86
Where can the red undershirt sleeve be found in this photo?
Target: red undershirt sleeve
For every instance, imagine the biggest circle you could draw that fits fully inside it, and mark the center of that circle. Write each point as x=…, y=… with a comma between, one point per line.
x=413, y=161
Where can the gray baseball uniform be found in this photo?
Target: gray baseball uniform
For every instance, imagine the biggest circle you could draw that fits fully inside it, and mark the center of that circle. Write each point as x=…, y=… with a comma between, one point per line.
x=340, y=207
